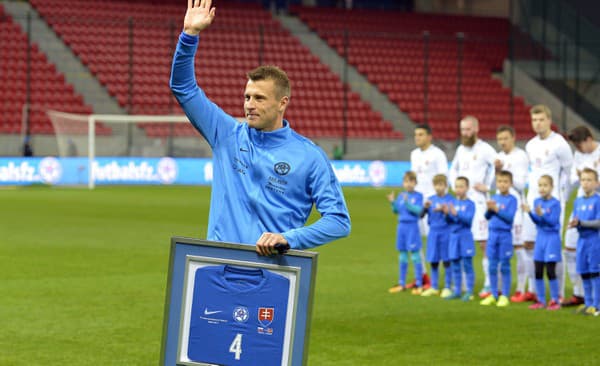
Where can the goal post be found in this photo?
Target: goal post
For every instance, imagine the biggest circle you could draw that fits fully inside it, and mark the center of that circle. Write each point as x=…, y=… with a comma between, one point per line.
x=94, y=135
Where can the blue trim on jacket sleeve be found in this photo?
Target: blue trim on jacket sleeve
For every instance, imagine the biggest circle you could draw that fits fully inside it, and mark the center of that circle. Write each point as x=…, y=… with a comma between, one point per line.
x=414, y=209
x=535, y=218
x=395, y=208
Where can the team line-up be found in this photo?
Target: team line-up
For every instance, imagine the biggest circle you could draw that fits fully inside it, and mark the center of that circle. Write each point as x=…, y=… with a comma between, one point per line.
x=507, y=223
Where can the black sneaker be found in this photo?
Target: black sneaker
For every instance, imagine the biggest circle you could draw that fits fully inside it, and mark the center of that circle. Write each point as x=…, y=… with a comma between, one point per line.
x=572, y=301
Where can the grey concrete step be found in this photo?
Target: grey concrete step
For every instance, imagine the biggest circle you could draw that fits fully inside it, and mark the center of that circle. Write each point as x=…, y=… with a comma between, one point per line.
x=62, y=57
x=345, y=71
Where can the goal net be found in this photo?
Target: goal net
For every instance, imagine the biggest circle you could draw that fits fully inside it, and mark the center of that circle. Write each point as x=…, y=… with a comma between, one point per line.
x=100, y=135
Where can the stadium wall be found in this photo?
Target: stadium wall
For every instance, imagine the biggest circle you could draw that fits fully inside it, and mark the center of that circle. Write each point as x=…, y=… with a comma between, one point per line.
x=493, y=8
x=168, y=171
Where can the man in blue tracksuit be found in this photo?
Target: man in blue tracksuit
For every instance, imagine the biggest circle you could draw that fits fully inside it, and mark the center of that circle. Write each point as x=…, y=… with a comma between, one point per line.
x=266, y=177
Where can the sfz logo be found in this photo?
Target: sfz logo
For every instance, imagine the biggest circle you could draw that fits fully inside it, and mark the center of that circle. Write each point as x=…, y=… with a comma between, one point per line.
x=282, y=168
x=241, y=314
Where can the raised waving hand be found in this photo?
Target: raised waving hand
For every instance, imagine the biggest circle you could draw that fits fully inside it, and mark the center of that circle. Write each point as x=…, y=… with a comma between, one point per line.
x=199, y=15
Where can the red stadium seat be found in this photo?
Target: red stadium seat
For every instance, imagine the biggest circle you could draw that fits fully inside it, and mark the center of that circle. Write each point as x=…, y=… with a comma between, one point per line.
x=105, y=50
x=395, y=41
x=48, y=88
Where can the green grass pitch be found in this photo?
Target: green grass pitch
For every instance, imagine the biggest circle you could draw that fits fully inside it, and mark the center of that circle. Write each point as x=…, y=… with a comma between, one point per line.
x=83, y=276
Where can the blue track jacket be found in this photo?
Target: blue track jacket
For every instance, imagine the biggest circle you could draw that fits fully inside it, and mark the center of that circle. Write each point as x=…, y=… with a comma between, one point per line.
x=549, y=221
x=587, y=208
x=462, y=221
x=262, y=181
x=503, y=219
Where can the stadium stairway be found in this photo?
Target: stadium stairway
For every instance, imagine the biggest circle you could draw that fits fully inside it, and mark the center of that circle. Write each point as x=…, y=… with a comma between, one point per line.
x=535, y=93
x=356, y=80
x=78, y=75
x=316, y=86
x=62, y=57
x=358, y=83
x=395, y=40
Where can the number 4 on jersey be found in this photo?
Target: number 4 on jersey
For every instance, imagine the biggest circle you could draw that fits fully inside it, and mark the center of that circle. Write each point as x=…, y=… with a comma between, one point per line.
x=236, y=346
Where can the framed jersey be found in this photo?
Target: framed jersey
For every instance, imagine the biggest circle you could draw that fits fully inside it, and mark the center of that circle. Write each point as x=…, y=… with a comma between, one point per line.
x=226, y=305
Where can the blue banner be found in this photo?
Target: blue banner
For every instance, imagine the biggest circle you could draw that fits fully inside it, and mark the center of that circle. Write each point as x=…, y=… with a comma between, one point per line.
x=156, y=171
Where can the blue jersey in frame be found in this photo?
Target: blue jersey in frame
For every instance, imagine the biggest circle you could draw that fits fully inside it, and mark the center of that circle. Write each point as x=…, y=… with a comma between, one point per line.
x=238, y=316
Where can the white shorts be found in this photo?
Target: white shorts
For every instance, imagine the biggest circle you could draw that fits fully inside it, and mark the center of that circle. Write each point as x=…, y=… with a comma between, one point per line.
x=479, y=227
x=424, y=226
x=571, y=236
x=529, y=231
x=517, y=228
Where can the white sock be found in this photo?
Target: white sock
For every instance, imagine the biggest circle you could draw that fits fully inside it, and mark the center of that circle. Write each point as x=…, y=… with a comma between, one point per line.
x=530, y=269
x=560, y=276
x=486, y=271
x=521, y=272
x=570, y=261
x=423, y=261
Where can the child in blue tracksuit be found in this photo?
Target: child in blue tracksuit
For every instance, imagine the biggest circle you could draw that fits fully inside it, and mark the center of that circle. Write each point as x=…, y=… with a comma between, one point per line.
x=439, y=234
x=408, y=205
x=586, y=218
x=547, y=249
x=500, y=213
x=461, y=249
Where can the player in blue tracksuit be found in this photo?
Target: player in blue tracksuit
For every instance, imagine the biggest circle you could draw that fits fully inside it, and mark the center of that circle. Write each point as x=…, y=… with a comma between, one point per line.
x=500, y=214
x=461, y=249
x=547, y=249
x=408, y=206
x=586, y=218
x=266, y=177
x=439, y=234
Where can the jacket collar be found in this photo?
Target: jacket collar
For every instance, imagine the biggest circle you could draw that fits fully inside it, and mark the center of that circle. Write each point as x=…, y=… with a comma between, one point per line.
x=271, y=138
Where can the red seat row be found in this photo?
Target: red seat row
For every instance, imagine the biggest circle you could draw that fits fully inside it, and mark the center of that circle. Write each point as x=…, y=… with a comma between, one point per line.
x=390, y=49
x=47, y=87
x=239, y=42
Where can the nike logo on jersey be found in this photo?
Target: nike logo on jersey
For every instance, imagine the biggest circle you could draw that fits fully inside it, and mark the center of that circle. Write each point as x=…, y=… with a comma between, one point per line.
x=206, y=312
x=244, y=150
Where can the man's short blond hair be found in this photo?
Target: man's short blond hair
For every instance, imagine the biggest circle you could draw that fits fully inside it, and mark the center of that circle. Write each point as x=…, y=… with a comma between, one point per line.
x=279, y=77
x=541, y=108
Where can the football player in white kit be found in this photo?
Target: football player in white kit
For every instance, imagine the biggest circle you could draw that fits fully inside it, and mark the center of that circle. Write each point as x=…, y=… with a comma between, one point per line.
x=514, y=159
x=474, y=159
x=549, y=154
x=587, y=155
x=427, y=160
